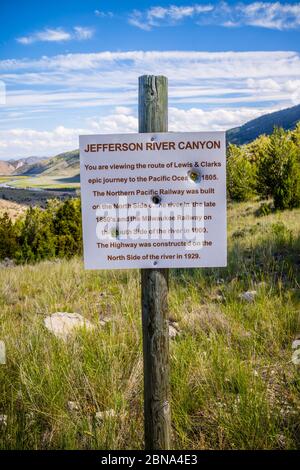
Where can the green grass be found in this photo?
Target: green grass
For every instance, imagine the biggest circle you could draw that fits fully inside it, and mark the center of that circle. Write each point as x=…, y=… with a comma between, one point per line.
x=42, y=182
x=233, y=383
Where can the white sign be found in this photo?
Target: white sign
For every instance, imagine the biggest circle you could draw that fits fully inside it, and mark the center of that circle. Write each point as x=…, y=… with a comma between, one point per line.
x=153, y=200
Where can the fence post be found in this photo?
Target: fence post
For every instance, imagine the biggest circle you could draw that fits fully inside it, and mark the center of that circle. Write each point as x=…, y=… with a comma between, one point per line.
x=153, y=117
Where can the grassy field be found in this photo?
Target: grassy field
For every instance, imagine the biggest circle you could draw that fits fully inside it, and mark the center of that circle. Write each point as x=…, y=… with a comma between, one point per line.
x=42, y=182
x=234, y=385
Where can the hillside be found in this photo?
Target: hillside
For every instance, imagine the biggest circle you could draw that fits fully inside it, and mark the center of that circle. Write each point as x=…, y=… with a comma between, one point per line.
x=18, y=165
x=286, y=118
x=6, y=168
x=64, y=164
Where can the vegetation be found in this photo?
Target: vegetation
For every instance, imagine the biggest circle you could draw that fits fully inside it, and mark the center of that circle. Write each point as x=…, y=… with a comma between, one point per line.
x=53, y=232
x=234, y=385
x=240, y=175
x=268, y=167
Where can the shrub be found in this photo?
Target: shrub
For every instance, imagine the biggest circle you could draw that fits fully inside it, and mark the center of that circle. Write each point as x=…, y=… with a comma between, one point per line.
x=67, y=229
x=8, y=237
x=278, y=173
x=240, y=175
x=36, y=238
x=43, y=233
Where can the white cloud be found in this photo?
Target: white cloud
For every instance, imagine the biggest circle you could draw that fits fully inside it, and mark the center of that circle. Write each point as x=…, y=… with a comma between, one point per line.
x=47, y=35
x=83, y=33
x=56, y=35
x=122, y=120
x=104, y=14
x=271, y=15
x=158, y=16
x=206, y=91
x=197, y=119
x=110, y=78
x=19, y=142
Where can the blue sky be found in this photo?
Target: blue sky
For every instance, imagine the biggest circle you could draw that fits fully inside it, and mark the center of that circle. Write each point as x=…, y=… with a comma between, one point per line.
x=71, y=67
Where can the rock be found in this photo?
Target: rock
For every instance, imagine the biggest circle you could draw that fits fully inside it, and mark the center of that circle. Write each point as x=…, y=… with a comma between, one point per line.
x=3, y=421
x=2, y=353
x=104, y=320
x=73, y=406
x=173, y=329
x=296, y=357
x=102, y=415
x=281, y=439
x=249, y=295
x=296, y=344
x=64, y=324
x=7, y=263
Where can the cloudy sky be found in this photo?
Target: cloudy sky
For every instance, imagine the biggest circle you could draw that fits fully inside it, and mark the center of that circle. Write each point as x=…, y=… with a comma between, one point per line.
x=71, y=67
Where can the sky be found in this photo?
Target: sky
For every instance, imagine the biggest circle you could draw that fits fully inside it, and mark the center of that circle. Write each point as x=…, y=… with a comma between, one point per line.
x=71, y=67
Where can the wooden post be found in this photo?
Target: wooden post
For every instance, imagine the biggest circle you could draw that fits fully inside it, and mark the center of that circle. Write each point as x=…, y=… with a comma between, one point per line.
x=153, y=117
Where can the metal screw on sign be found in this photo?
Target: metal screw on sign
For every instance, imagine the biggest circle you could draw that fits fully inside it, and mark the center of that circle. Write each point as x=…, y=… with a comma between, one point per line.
x=194, y=175
x=156, y=199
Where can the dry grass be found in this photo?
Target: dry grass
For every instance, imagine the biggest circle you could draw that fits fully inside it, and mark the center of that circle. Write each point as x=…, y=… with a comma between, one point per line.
x=13, y=209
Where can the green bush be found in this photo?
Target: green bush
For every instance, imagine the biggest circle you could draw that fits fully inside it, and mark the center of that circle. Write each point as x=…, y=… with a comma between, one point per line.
x=8, y=237
x=67, y=229
x=54, y=232
x=278, y=173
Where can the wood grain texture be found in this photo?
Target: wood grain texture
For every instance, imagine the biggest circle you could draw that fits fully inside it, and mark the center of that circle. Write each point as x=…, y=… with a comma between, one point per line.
x=153, y=117
x=153, y=103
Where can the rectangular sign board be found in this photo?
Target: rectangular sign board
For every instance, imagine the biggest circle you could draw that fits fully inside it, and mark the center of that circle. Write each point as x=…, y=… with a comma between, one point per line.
x=154, y=200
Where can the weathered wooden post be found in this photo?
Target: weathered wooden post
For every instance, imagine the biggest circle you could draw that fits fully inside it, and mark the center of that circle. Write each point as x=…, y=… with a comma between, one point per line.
x=153, y=117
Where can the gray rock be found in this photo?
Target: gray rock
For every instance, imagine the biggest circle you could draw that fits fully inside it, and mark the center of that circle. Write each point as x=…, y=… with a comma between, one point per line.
x=102, y=415
x=296, y=344
x=3, y=421
x=249, y=295
x=64, y=324
x=7, y=263
x=173, y=329
x=73, y=406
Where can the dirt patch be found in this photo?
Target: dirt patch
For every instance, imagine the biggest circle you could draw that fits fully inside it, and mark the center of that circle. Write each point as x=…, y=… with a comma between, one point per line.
x=13, y=209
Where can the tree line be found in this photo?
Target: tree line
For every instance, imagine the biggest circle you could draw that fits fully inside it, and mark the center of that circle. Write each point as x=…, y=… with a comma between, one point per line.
x=268, y=167
x=53, y=232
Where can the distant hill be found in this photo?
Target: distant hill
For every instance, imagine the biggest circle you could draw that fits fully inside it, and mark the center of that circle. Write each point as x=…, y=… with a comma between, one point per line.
x=286, y=118
x=9, y=167
x=6, y=168
x=64, y=164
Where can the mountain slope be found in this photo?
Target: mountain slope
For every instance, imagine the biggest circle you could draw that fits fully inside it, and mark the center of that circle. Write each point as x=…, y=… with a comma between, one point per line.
x=64, y=164
x=6, y=168
x=286, y=118
x=18, y=165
